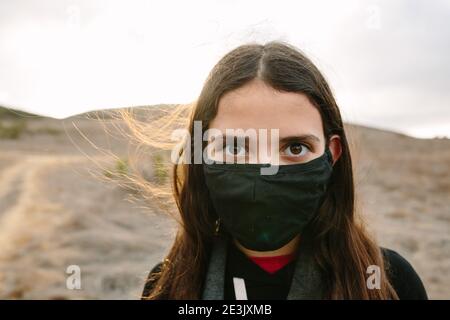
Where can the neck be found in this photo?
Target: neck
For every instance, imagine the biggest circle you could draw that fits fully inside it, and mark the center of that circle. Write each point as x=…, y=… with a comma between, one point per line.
x=289, y=248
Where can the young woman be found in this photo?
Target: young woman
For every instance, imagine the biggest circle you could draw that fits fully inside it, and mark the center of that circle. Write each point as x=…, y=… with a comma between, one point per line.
x=289, y=235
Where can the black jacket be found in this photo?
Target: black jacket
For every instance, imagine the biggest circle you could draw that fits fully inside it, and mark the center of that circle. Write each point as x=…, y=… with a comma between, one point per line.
x=402, y=276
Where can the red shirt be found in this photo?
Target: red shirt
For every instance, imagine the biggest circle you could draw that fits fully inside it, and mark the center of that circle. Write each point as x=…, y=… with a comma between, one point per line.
x=273, y=264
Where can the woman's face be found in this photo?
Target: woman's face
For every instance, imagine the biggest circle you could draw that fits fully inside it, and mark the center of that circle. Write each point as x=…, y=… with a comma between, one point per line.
x=258, y=106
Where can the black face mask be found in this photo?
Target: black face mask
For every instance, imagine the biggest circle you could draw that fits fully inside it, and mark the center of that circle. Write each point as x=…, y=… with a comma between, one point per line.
x=265, y=212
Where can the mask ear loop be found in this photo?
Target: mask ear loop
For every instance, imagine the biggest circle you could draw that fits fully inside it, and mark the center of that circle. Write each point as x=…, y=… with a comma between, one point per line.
x=328, y=153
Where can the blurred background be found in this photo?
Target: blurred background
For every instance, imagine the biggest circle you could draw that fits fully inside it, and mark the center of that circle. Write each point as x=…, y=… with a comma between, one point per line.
x=62, y=200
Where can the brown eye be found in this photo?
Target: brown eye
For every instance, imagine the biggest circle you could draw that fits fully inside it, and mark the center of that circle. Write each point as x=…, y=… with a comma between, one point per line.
x=296, y=150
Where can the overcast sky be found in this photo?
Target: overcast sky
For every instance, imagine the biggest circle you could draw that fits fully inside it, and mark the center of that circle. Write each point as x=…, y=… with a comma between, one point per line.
x=387, y=61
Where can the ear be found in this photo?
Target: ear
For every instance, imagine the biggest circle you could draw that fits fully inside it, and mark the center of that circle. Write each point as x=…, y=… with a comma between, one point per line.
x=335, y=147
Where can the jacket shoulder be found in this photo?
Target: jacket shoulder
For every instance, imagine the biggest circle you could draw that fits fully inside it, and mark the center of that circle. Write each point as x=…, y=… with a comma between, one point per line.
x=151, y=280
x=403, y=277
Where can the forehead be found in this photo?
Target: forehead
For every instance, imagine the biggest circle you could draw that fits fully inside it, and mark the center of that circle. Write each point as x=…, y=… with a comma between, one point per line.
x=258, y=106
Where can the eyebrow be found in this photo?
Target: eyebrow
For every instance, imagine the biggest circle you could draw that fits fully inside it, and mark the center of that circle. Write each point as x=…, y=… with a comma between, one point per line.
x=304, y=137
x=226, y=138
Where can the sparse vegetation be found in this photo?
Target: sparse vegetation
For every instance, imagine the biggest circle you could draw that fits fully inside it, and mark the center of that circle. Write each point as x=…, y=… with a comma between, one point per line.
x=13, y=124
x=160, y=171
x=121, y=168
x=48, y=130
x=7, y=113
x=12, y=130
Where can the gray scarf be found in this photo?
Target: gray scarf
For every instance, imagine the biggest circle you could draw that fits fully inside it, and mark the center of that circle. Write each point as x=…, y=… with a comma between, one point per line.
x=306, y=282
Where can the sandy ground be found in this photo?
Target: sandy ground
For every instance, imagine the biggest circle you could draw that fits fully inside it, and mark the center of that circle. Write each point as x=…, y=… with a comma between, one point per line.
x=54, y=213
x=404, y=192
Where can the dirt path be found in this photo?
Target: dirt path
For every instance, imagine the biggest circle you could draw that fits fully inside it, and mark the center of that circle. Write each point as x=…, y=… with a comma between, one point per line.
x=53, y=214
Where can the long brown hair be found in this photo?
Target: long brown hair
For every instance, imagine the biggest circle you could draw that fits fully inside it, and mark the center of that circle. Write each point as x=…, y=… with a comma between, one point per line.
x=343, y=250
